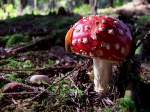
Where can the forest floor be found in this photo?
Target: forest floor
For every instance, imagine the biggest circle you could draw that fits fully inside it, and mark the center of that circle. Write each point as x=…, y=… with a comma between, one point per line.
x=34, y=45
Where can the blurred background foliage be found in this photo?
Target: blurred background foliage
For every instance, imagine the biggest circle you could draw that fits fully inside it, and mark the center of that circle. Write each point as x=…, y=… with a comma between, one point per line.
x=13, y=8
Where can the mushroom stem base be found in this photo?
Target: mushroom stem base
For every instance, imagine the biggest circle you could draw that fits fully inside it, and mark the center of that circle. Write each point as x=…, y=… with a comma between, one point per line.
x=102, y=75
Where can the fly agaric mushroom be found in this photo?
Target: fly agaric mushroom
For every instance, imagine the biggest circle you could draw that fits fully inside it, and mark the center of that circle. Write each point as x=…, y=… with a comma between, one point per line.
x=105, y=39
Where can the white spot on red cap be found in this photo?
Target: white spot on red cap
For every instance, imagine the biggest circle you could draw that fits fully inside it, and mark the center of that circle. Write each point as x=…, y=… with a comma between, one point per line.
x=75, y=24
x=110, y=31
x=106, y=17
x=79, y=41
x=94, y=37
x=121, y=32
x=108, y=46
x=85, y=40
x=123, y=50
x=77, y=30
x=101, y=29
x=103, y=21
x=117, y=46
x=90, y=17
x=74, y=42
x=81, y=50
x=84, y=53
x=115, y=21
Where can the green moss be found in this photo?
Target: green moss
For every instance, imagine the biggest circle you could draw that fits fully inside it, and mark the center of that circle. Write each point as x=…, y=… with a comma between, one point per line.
x=15, y=39
x=14, y=77
x=63, y=89
x=126, y=104
x=15, y=64
x=2, y=84
x=107, y=110
x=118, y=3
x=49, y=63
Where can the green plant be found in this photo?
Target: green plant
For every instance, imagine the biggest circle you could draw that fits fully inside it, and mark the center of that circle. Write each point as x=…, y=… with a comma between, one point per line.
x=118, y=3
x=2, y=84
x=1, y=97
x=63, y=89
x=83, y=10
x=107, y=110
x=15, y=39
x=11, y=10
x=49, y=63
x=14, y=77
x=126, y=104
x=15, y=64
x=2, y=14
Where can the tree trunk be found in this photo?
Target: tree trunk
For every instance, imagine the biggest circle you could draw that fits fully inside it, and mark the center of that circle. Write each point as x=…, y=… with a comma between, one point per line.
x=86, y=1
x=52, y=4
x=7, y=1
x=35, y=4
x=22, y=5
x=93, y=4
x=111, y=2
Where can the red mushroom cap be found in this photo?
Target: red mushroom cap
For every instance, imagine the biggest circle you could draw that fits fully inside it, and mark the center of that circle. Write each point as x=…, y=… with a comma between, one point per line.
x=99, y=36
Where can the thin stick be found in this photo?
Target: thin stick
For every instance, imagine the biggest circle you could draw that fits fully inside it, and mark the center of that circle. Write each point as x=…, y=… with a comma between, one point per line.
x=143, y=39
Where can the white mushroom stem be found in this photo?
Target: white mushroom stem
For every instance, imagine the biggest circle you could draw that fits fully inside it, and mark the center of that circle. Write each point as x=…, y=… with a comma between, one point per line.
x=102, y=74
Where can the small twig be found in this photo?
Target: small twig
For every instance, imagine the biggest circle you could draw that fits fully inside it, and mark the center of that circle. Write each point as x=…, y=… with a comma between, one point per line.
x=19, y=94
x=13, y=100
x=59, y=68
x=73, y=83
x=16, y=70
x=87, y=89
x=143, y=39
x=38, y=95
x=108, y=101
